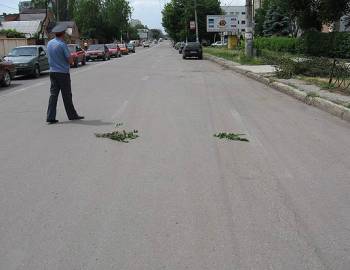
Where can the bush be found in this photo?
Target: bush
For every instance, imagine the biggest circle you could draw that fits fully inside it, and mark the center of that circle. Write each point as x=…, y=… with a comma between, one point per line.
x=279, y=44
x=11, y=33
x=312, y=67
x=335, y=44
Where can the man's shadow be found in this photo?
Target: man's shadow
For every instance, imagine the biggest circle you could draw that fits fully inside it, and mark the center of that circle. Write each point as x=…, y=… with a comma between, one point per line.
x=87, y=123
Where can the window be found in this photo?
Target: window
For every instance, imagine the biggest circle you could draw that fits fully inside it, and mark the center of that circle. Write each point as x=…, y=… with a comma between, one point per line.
x=243, y=13
x=243, y=22
x=238, y=22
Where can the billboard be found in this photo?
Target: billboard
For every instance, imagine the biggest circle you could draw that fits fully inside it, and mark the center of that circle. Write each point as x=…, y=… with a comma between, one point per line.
x=221, y=23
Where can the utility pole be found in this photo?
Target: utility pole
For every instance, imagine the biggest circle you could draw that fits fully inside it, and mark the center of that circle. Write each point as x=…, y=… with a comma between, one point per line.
x=249, y=29
x=196, y=19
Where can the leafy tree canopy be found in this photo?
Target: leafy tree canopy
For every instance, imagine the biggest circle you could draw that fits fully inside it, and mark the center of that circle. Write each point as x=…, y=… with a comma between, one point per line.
x=177, y=15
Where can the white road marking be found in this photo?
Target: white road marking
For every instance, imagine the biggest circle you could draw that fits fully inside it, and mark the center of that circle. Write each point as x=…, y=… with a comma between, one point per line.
x=120, y=110
x=145, y=78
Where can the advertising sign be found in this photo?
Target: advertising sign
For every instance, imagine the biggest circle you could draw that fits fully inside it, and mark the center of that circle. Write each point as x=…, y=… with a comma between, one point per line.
x=221, y=23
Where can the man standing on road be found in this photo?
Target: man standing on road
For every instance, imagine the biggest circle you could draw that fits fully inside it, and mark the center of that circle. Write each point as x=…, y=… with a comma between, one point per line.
x=60, y=61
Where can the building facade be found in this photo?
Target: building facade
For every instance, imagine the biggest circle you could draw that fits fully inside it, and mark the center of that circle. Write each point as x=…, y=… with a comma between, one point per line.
x=240, y=13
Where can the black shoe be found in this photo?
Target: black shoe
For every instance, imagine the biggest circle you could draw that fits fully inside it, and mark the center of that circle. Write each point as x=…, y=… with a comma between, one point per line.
x=50, y=122
x=78, y=117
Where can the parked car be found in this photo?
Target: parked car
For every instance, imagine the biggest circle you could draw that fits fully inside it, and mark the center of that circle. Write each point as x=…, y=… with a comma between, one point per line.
x=78, y=54
x=219, y=44
x=123, y=48
x=182, y=45
x=97, y=51
x=29, y=60
x=135, y=42
x=7, y=72
x=131, y=47
x=192, y=49
x=145, y=44
x=114, y=50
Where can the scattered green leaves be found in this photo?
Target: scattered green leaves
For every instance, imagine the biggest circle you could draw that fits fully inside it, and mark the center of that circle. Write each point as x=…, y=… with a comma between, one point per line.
x=231, y=136
x=120, y=136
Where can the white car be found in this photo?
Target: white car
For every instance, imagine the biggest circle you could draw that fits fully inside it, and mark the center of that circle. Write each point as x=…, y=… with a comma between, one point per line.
x=219, y=44
x=145, y=44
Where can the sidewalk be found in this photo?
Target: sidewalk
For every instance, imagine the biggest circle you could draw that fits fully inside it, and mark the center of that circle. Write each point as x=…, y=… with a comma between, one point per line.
x=334, y=103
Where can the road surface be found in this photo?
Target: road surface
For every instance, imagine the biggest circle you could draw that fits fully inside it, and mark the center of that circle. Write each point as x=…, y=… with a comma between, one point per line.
x=175, y=198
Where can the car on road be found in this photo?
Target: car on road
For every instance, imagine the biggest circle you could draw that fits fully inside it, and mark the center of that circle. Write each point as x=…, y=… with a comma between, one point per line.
x=123, y=48
x=145, y=44
x=219, y=44
x=131, y=47
x=7, y=72
x=78, y=55
x=97, y=51
x=114, y=50
x=181, y=47
x=29, y=60
x=192, y=49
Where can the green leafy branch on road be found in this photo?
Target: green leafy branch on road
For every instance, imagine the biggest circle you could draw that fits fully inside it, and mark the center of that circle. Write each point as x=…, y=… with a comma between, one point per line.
x=231, y=136
x=120, y=136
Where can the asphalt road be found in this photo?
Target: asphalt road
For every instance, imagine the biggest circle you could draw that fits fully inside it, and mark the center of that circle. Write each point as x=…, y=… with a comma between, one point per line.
x=176, y=198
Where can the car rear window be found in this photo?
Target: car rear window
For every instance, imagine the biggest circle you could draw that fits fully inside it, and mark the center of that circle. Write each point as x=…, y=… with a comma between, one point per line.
x=111, y=46
x=24, y=51
x=193, y=45
x=96, y=47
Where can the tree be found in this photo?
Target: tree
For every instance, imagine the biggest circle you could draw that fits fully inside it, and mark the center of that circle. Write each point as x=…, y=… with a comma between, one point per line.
x=276, y=23
x=155, y=33
x=311, y=14
x=104, y=20
x=177, y=15
x=260, y=16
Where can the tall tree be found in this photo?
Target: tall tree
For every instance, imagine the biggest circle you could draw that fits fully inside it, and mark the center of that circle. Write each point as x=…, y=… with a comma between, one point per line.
x=177, y=15
x=276, y=22
x=311, y=14
x=105, y=20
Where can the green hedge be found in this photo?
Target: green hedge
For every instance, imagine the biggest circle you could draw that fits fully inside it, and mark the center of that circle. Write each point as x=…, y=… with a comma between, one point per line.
x=279, y=44
x=336, y=44
x=11, y=33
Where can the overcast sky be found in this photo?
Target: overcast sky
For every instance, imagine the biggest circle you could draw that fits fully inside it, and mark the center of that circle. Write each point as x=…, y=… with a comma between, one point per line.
x=148, y=11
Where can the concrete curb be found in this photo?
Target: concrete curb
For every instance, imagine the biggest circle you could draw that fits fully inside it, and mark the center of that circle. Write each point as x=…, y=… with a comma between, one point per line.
x=318, y=102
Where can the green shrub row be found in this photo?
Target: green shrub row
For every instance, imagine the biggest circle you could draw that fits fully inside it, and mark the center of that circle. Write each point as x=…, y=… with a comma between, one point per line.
x=11, y=33
x=279, y=44
x=336, y=44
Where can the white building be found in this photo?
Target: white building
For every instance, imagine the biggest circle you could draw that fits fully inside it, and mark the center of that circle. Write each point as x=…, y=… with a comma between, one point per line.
x=240, y=13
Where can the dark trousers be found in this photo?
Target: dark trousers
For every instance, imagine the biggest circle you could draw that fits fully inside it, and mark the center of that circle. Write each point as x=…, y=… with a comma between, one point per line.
x=60, y=82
